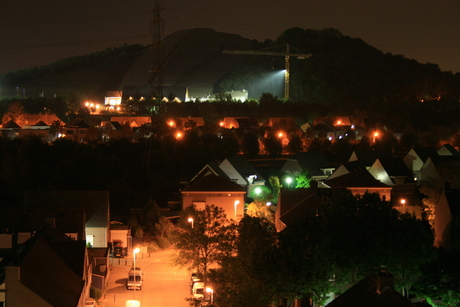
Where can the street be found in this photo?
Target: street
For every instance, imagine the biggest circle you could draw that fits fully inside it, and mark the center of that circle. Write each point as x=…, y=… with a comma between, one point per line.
x=163, y=286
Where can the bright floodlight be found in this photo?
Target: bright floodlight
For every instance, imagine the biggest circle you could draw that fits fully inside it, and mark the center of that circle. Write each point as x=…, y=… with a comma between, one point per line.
x=136, y=250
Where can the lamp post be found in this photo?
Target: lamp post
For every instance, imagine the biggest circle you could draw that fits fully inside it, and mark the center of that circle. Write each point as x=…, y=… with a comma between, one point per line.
x=135, y=251
x=376, y=134
x=190, y=220
x=288, y=181
x=211, y=292
x=236, y=205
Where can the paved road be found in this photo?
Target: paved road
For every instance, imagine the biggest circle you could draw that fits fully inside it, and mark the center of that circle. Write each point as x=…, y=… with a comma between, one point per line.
x=164, y=285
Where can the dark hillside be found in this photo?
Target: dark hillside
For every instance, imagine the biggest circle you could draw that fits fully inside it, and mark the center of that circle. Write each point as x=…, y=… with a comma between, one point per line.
x=346, y=73
x=86, y=77
x=344, y=76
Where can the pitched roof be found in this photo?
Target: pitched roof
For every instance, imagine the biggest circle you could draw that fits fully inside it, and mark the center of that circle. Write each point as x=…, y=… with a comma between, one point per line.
x=311, y=161
x=296, y=204
x=45, y=271
x=395, y=167
x=77, y=123
x=367, y=157
x=11, y=124
x=365, y=294
x=210, y=168
x=213, y=183
x=48, y=119
x=355, y=179
x=424, y=152
x=41, y=123
x=96, y=203
x=445, y=160
x=356, y=165
x=244, y=168
x=447, y=149
x=113, y=94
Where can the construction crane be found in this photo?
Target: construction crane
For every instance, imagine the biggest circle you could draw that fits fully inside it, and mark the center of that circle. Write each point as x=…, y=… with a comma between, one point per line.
x=287, y=54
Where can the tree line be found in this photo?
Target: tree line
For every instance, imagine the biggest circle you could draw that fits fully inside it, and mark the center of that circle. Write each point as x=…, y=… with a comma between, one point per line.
x=349, y=238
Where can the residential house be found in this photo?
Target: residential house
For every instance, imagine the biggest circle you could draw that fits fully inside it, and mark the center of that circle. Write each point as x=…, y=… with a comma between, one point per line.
x=113, y=98
x=286, y=124
x=447, y=150
x=438, y=167
x=447, y=217
x=365, y=157
x=391, y=171
x=359, y=183
x=50, y=270
x=40, y=129
x=296, y=204
x=244, y=123
x=76, y=130
x=48, y=119
x=215, y=190
x=347, y=168
x=236, y=169
x=10, y=130
x=100, y=267
x=241, y=172
x=333, y=120
x=121, y=234
x=336, y=127
x=132, y=121
x=373, y=290
x=416, y=157
x=312, y=162
x=186, y=122
x=96, y=205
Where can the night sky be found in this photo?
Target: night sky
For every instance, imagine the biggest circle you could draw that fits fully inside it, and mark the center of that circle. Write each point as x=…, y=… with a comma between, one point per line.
x=39, y=32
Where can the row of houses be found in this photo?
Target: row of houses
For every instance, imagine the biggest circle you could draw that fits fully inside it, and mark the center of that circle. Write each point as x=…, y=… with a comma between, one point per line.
x=67, y=234
x=395, y=179
x=49, y=127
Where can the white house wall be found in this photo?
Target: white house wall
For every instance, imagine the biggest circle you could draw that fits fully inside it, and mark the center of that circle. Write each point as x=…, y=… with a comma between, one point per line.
x=99, y=236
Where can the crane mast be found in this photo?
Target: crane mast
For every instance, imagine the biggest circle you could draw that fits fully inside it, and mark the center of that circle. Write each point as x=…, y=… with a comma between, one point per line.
x=287, y=54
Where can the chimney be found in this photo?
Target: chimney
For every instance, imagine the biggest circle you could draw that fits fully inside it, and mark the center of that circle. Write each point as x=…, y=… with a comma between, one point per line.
x=384, y=281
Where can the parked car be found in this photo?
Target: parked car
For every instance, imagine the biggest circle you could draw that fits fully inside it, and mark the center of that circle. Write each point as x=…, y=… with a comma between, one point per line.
x=118, y=252
x=134, y=280
x=198, y=290
x=194, y=277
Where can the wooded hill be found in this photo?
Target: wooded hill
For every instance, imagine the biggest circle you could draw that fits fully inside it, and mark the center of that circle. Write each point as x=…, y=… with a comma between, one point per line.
x=343, y=75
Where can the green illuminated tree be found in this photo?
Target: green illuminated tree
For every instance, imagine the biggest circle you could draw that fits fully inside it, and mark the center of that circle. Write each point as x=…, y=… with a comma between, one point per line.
x=303, y=180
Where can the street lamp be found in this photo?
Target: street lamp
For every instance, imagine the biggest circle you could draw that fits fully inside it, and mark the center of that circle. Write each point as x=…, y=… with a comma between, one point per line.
x=135, y=251
x=211, y=292
x=289, y=181
x=190, y=220
x=236, y=204
x=376, y=134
